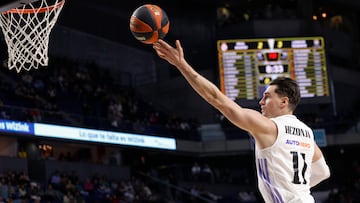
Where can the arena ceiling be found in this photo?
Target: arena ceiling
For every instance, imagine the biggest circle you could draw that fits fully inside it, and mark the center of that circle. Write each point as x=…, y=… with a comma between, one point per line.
x=110, y=18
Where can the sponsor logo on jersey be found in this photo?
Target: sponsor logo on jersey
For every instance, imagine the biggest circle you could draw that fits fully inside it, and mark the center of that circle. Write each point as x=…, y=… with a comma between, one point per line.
x=298, y=143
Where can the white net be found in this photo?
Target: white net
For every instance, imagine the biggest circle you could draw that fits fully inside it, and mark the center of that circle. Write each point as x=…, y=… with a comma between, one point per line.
x=26, y=31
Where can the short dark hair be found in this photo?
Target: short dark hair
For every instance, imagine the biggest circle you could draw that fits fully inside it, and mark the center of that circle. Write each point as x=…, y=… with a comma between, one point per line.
x=287, y=87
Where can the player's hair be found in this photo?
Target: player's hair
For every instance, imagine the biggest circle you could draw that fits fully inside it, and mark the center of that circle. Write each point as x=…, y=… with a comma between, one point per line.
x=287, y=87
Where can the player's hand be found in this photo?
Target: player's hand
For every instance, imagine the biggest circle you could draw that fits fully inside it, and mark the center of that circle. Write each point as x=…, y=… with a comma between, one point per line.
x=174, y=56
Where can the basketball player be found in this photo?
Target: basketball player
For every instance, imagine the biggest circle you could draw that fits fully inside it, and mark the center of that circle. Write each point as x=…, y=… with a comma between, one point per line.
x=288, y=161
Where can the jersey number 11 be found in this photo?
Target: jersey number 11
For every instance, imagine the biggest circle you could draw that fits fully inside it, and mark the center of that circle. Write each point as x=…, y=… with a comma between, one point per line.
x=296, y=179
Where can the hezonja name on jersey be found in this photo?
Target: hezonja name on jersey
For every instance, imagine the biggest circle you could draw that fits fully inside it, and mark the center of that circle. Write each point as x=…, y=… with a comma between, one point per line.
x=296, y=131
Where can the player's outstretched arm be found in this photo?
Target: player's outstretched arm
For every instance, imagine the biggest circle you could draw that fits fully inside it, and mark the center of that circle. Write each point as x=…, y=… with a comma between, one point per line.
x=247, y=119
x=319, y=169
x=202, y=86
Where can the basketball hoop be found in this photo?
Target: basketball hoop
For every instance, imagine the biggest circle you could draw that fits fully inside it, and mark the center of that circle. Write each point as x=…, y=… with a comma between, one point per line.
x=26, y=31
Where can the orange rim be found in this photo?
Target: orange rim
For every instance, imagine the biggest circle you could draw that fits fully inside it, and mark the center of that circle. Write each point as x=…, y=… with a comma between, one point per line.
x=35, y=10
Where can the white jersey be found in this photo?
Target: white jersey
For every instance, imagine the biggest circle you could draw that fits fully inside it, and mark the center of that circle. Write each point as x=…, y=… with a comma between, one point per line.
x=283, y=169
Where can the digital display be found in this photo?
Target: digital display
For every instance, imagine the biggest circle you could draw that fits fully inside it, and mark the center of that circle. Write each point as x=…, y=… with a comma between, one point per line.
x=86, y=134
x=247, y=66
x=102, y=136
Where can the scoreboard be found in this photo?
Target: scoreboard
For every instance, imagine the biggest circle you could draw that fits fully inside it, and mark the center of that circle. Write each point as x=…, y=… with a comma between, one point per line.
x=247, y=66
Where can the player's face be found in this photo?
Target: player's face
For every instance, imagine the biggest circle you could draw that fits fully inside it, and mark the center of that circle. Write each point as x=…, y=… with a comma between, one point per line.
x=270, y=103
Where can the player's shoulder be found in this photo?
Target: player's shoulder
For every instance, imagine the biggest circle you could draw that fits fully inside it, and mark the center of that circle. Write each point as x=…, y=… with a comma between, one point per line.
x=285, y=117
x=289, y=119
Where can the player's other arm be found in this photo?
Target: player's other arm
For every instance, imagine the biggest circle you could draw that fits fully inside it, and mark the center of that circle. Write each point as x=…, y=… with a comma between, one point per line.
x=319, y=169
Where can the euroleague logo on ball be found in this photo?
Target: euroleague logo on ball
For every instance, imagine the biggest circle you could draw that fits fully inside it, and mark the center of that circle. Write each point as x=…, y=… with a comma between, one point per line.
x=149, y=23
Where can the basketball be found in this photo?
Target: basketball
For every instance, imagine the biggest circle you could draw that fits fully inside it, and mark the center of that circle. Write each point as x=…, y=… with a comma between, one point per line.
x=149, y=23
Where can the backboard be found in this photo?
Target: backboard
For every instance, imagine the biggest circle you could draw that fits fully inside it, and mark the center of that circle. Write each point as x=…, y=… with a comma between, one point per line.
x=10, y=4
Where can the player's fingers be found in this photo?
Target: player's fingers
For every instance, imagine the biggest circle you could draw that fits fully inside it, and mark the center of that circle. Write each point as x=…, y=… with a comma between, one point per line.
x=178, y=44
x=159, y=48
x=160, y=51
x=179, y=48
x=162, y=56
x=164, y=44
x=156, y=45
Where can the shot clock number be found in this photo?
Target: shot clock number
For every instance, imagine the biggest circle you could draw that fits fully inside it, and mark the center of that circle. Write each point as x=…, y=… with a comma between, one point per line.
x=274, y=68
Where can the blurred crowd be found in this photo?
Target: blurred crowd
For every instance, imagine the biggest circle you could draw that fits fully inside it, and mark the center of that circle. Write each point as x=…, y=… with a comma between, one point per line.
x=85, y=95
x=68, y=188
